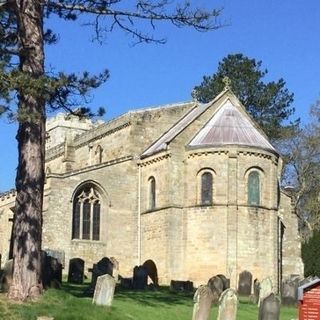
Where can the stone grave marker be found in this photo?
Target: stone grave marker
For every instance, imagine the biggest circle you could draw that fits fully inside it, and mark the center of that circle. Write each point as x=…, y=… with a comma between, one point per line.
x=203, y=299
x=256, y=291
x=51, y=271
x=126, y=283
x=76, y=270
x=289, y=292
x=140, y=278
x=225, y=281
x=245, y=283
x=216, y=285
x=269, y=308
x=115, y=271
x=104, y=266
x=6, y=277
x=266, y=289
x=181, y=286
x=104, y=290
x=152, y=271
x=228, y=305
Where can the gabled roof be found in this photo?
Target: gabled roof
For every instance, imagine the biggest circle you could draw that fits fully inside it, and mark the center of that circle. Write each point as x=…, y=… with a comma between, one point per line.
x=229, y=125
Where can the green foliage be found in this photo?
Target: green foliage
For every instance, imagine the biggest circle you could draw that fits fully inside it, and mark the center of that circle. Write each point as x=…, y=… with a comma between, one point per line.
x=310, y=255
x=71, y=303
x=267, y=102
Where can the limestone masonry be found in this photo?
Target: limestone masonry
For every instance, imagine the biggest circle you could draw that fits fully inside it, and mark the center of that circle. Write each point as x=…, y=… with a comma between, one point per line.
x=193, y=187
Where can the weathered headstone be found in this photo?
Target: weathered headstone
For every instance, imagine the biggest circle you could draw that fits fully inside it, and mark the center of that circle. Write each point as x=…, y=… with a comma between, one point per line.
x=181, y=286
x=104, y=266
x=6, y=277
x=225, y=281
x=76, y=270
x=115, y=271
x=269, y=308
x=256, y=291
x=104, y=290
x=126, y=283
x=228, y=305
x=266, y=289
x=152, y=271
x=59, y=255
x=140, y=278
x=51, y=271
x=216, y=285
x=202, y=299
x=289, y=292
x=245, y=283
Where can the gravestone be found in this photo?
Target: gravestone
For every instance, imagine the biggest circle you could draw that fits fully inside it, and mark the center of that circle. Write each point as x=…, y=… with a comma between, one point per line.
x=76, y=270
x=269, y=308
x=245, y=283
x=51, y=271
x=104, y=266
x=59, y=255
x=256, y=291
x=152, y=271
x=181, y=286
x=266, y=289
x=216, y=285
x=289, y=292
x=6, y=277
x=104, y=290
x=115, y=271
x=228, y=305
x=202, y=299
x=225, y=281
x=126, y=283
x=140, y=278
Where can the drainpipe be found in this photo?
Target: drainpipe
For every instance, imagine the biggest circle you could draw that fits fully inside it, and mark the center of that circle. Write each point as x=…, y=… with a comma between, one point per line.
x=139, y=215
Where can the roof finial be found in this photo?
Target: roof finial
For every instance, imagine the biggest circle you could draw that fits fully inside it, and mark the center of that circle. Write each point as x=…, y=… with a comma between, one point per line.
x=227, y=83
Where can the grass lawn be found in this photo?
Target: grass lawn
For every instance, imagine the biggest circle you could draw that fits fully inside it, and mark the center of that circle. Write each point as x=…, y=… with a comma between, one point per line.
x=70, y=303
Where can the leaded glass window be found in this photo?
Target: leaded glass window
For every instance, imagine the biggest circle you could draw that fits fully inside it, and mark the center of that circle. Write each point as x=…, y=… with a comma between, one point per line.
x=254, y=188
x=86, y=214
x=206, y=188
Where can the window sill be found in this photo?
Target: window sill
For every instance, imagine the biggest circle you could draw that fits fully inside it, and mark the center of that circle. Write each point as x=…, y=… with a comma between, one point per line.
x=87, y=241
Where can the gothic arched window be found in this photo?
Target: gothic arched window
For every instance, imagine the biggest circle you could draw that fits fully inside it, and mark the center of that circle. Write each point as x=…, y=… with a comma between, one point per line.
x=86, y=214
x=152, y=193
x=206, y=188
x=254, y=188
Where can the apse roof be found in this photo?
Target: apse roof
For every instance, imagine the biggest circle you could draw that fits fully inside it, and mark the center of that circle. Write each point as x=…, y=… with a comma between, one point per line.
x=230, y=126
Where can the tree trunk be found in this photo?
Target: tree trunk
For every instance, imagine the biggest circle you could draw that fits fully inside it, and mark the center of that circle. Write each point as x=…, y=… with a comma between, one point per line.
x=27, y=229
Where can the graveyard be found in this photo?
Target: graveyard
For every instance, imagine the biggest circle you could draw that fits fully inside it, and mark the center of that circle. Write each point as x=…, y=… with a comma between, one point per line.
x=70, y=302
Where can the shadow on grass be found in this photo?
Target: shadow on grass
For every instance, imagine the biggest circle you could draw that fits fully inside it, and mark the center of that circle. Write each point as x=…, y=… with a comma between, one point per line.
x=162, y=295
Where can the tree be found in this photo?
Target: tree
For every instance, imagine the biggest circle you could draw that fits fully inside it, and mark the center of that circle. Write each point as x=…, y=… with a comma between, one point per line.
x=25, y=82
x=310, y=255
x=301, y=154
x=268, y=103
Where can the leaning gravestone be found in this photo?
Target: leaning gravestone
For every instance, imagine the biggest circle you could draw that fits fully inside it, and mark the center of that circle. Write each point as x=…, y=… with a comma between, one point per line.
x=228, y=305
x=140, y=278
x=217, y=287
x=225, y=281
x=266, y=289
x=76, y=270
x=202, y=299
x=269, y=308
x=6, y=277
x=104, y=290
x=152, y=271
x=245, y=283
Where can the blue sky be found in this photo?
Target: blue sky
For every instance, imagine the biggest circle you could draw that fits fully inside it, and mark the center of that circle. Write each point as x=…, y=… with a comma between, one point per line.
x=283, y=34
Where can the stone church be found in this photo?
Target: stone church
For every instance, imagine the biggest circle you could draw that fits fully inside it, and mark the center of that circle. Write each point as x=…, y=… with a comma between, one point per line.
x=194, y=187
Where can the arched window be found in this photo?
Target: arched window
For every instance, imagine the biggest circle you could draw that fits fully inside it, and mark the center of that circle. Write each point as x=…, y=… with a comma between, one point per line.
x=206, y=188
x=254, y=188
x=86, y=214
x=152, y=193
